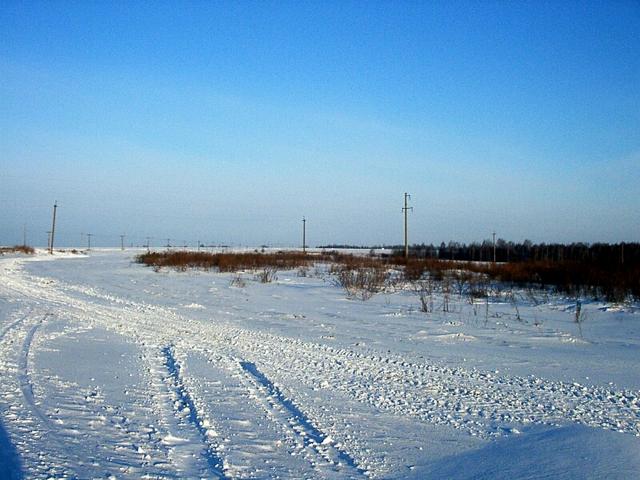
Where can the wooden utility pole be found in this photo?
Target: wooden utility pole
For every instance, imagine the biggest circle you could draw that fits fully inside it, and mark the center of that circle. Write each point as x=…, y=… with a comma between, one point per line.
x=48, y=239
x=122, y=242
x=304, y=235
x=53, y=227
x=406, y=226
x=494, y=247
x=148, y=238
x=89, y=235
x=24, y=235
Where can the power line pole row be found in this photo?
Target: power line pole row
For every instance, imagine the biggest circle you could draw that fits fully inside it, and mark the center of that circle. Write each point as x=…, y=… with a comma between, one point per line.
x=405, y=209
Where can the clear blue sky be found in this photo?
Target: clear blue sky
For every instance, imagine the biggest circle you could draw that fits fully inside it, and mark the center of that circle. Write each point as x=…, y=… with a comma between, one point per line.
x=228, y=121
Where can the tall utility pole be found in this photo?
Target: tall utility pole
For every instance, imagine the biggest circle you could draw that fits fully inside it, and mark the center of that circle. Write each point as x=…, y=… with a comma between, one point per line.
x=24, y=235
x=304, y=235
x=494, y=247
x=168, y=243
x=48, y=239
x=53, y=227
x=89, y=235
x=148, y=238
x=122, y=242
x=406, y=225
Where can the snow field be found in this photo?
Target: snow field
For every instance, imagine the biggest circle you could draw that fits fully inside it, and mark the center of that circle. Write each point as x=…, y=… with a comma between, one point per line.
x=95, y=384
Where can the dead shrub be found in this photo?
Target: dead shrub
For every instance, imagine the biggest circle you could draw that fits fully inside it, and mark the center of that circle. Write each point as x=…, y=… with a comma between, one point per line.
x=238, y=281
x=424, y=287
x=267, y=274
x=362, y=282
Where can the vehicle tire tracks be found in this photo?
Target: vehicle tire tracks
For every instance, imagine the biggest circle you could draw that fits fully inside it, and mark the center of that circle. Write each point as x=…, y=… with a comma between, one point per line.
x=7, y=328
x=285, y=410
x=185, y=408
x=24, y=378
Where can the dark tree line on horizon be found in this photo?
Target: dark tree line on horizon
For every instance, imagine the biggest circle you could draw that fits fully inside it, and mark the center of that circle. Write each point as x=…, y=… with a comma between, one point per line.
x=600, y=269
x=507, y=251
x=599, y=253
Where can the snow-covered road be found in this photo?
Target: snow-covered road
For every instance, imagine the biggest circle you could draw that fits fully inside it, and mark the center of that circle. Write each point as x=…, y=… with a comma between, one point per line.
x=95, y=385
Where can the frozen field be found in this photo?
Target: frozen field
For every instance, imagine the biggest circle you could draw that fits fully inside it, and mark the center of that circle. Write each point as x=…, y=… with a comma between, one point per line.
x=109, y=369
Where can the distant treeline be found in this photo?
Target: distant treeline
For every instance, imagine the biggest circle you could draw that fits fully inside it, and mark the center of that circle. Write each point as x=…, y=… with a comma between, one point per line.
x=602, y=253
x=600, y=269
x=604, y=270
x=344, y=246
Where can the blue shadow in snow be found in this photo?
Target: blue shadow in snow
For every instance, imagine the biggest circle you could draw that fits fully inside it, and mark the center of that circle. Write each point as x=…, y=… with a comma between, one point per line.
x=10, y=465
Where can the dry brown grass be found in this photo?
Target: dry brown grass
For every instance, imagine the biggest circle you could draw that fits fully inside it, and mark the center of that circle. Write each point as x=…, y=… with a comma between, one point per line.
x=18, y=249
x=233, y=262
x=367, y=273
x=225, y=262
x=611, y=281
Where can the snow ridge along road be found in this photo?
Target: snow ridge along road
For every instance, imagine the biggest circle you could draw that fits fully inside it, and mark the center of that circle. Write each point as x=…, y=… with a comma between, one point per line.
x=207, y=389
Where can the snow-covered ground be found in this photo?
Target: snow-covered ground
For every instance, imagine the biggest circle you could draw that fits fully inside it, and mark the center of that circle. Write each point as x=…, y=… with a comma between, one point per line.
x=109, y=369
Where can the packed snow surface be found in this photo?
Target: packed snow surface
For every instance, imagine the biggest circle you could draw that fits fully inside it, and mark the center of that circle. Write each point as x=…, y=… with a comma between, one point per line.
x=111, y=370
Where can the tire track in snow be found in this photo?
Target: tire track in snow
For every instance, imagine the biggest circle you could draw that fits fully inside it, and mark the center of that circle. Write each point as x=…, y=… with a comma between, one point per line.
x=186, y=405
x=482, y=403
x=7, y=328
x=45, y=428
x=26, y=386
x=301, y=424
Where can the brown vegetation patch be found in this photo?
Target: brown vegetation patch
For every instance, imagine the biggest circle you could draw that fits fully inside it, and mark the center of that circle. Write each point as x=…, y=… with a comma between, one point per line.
x=225, y=262
x=613, y=281
x=18, y=249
